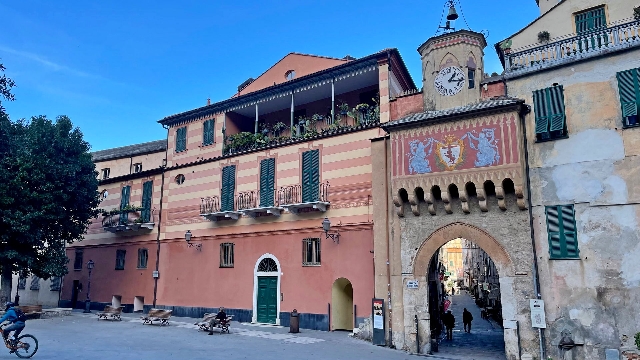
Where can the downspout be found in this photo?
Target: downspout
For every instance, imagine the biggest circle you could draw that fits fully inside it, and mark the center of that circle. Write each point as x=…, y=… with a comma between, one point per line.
x=536, y=276
x=386, y=166
x=155, y=278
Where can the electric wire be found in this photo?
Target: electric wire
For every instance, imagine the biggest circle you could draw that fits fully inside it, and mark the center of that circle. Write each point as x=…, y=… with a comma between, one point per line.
x=462, y=12
x=441, y=16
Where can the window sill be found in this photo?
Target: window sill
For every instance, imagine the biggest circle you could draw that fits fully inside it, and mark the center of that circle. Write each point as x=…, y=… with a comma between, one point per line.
x=119, y=269
x=624, y=127
x=226, y=267
x=140, y=268
x=311, y=265
x=207, y=145
x=554, y=139
x=565, y=258
x=77, y=269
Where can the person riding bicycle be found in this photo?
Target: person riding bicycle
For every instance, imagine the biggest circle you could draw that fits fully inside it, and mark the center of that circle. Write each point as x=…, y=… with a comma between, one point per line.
x=222, y=316
x=17, y=319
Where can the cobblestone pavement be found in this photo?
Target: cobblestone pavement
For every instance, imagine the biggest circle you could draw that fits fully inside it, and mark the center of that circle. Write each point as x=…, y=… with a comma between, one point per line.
x=485, y=342
x=82, y=336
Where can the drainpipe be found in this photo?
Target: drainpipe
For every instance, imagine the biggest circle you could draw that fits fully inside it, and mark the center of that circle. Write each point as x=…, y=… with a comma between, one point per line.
x=386, y=164
x=536, y=276
x=164, y=166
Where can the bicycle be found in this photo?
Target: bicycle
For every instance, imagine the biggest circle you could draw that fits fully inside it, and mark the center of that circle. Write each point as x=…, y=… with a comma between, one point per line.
x=24, y=346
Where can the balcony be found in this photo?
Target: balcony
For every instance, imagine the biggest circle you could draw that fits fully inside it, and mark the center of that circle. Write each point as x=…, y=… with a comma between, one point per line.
x=296, y=200
x=576, y=48
x=132, y=220
x=255, y=204
x=210, y=209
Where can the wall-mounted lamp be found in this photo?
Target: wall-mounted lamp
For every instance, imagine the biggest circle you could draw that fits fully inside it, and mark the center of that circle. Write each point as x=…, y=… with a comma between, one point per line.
x=187, y=237
x=326, y=226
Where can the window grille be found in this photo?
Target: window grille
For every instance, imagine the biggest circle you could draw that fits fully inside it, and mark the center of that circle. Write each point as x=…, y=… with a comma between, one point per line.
x=311, y=252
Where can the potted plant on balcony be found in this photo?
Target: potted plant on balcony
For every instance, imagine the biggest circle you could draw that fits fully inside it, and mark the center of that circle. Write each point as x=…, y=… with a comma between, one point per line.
x=636, y=13
x=278, y=128
x=506, y=46
x=543, y=37
x=344, y=108
x=363, y=110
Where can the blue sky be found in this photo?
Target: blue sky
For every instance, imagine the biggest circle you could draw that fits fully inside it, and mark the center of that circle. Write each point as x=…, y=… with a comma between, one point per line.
x=116, y=67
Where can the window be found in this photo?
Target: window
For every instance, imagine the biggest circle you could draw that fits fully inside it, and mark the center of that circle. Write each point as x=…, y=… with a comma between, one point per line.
x=35, y=283
x=629, y=96
x=137, y=167
x=124, y=202
x=226, y=255
x=310, y=252
x=310, y=176
x=290, y=75
x=147, y=191
x=207, y=132
x=228, y=188
x=22, y=283
x=180, y=179
x=143, y=258
x=590, y=20
x=77, y=262
x=472, y=78
x=267, y=182
x=105, y=173
x=561, y=227
x=120, y=255
x=181, y=139
x=55, y=284
x=550, y=115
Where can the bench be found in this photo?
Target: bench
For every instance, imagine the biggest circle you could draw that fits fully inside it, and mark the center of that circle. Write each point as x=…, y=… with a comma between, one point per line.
x=110, y=312
x=31, y=311
x=157, y=315
x=205, y=323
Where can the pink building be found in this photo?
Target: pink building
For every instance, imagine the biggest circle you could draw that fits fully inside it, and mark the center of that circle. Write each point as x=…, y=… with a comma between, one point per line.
x=249, y=182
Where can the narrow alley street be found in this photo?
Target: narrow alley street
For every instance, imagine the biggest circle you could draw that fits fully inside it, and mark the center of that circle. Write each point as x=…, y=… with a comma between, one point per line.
x=484, y=342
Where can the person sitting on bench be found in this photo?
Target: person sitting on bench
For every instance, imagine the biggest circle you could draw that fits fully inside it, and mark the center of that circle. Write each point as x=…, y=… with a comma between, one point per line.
x=222, y=316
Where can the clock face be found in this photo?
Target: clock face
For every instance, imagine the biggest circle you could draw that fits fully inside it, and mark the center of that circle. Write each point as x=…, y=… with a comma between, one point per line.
x=449, y=81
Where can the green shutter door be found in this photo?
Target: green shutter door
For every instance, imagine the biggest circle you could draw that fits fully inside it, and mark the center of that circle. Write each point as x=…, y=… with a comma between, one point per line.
x=207, y=132
x=542, y=116
x=228, y=188
x=556, y=107
x=267, y=299
x=561, y=227
x=310, y=175
x=147, y=191
x=267, y=182
x=181, y=139
x=124, y=202
x=629, y=92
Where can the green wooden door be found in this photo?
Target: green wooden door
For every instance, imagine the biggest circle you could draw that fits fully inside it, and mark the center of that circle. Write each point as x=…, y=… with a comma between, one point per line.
x=267, y=299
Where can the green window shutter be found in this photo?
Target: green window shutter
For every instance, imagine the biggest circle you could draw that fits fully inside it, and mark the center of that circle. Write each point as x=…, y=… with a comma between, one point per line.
x=591, y=20
x=147, y=191
x=228, y=188
x=629, y=92
x=556, y=107
x=310, y=175
x=540, y=107
x=181, y=139
x=124, y=202
x=207, y=132
x=561, y=227
x=267, y=181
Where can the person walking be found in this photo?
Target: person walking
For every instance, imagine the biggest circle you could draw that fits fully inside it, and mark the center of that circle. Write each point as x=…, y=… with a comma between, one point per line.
x=449, y=322
x=466, y=319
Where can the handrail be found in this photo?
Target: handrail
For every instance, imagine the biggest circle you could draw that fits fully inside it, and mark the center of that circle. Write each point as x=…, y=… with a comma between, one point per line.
x=292, y=194
x=209, y=205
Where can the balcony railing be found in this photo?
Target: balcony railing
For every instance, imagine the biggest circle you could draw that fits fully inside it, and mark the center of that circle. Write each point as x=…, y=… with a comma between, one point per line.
x=294, y=198
x=134, y=219
x=583, y=46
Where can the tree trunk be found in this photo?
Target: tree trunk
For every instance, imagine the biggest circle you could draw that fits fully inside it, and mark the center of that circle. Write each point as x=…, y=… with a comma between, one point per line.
x=5, y=291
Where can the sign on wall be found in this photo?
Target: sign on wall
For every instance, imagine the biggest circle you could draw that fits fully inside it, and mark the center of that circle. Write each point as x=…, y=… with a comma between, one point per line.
x=378, y=321
x=537, y=313
x=412, y=284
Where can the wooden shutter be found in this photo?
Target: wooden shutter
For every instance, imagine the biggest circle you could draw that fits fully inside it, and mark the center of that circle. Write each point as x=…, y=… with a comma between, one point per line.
x=556, y=107
x=124, y=202
x=207, y=132
x=310, y=175
x=629, y=92
x=147, y=191
x=590, y=20
x=267, y=181
x=540, y=108
x=228, y=188
x=181, y=139
x=120, y=257
x=561, y=227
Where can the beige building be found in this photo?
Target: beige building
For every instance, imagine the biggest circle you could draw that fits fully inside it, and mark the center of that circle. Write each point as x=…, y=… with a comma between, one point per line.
x=578, y=66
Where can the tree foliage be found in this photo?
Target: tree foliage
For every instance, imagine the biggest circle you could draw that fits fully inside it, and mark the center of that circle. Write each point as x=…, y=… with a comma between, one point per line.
x=48, y=193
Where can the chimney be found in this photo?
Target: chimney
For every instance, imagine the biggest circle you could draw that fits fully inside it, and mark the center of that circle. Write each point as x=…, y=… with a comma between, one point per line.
x=208, y=101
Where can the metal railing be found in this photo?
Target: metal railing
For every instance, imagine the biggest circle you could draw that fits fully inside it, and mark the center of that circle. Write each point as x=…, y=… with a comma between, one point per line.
x=209, y=205
x=574, y=48
x=293, y=194
x=121, y=217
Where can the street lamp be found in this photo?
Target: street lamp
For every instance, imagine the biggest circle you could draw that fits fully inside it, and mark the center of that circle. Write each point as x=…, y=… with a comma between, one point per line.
x=87, y=304
x=326, y=226
x=187, y=237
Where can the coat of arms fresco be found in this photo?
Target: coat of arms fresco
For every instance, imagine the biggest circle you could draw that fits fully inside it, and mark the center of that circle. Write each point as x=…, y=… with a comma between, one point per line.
x=450, y=152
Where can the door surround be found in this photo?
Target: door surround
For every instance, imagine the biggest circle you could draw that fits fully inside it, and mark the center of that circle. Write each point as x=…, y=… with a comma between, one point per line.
x=254, y=315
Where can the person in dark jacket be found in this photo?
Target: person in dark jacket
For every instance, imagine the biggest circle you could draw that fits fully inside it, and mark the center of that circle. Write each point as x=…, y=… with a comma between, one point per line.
x=466, y=319
x=222, y=316
x=449, y=322
x=17, y=325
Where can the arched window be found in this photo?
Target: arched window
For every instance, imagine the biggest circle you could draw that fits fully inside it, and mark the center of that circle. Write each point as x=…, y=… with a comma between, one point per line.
x=267, y=265
x=289, y=75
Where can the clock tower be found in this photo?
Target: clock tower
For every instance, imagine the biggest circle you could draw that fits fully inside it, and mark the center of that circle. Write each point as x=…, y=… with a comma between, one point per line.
x=452, y=69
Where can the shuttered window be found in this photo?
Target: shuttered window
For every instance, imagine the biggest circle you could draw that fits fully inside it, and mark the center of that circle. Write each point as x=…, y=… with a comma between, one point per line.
x=207, y=132
x=120, y=255
x=147, y=191
x=124, y=202
x=629, y=87
x=226, y=255
x=590, y=20
x=310, y=176
x=181, y=139
x=143, y=258
x=77, y=261
x=228, y=188
x=561, y=228
x=550, y=113
x=267, y=182
x=311, y=252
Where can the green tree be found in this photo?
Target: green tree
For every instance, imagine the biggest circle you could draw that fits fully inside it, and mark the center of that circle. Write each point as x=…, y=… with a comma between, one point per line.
x=48, y=195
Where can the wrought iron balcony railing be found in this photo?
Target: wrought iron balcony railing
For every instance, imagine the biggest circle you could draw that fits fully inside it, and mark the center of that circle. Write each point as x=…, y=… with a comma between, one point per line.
x=296, y=194
x=131, y=219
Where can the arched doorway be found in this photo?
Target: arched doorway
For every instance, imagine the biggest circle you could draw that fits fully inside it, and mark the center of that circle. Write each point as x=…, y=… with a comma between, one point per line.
x=342, y=305
x=266, y=290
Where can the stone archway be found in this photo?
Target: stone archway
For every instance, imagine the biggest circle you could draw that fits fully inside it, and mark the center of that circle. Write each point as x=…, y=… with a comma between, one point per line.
x=416, y=303
x=342, y=305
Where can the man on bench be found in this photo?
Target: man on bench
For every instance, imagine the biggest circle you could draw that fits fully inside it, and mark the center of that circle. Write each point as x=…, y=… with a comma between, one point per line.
x=222, y=316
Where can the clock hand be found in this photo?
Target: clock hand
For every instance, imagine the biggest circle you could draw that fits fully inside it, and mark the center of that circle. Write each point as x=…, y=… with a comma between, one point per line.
x=451, y=78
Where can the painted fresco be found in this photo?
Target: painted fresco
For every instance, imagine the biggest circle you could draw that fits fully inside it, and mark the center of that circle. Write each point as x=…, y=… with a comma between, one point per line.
x=462, y=146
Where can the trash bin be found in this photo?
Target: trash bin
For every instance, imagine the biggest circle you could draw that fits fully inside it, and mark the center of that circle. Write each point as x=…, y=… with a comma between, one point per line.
x=294, y=322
